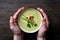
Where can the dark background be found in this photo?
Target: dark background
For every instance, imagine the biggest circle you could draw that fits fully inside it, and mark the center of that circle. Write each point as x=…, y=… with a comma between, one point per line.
x=51, y=8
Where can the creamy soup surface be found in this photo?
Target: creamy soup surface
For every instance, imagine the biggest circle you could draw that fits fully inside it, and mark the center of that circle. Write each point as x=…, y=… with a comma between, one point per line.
x=30, y=19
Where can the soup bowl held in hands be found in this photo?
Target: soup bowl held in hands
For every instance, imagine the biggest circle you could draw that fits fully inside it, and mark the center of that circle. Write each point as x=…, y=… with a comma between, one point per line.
x=30, y=20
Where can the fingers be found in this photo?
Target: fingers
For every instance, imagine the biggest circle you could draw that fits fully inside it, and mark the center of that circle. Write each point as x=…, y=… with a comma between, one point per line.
x=11, y=21
x=44, y=23
x=42, y=12
x=44, y=15
x=16, y=14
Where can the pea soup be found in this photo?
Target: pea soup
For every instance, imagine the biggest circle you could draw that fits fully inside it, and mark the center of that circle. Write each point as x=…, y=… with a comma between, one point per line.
x=30, y=20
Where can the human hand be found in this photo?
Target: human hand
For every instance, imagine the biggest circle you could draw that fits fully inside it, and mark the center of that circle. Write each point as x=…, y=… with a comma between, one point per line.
x=13, y=23
x=45, y=24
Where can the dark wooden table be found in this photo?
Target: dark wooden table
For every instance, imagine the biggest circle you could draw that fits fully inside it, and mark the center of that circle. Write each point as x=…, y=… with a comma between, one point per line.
x=9, y=7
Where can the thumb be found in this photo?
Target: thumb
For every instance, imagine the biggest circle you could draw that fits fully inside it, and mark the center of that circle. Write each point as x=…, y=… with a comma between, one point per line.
x=11, y=21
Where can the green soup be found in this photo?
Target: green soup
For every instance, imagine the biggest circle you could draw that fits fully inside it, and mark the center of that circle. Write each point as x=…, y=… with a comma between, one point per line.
x=30, y=20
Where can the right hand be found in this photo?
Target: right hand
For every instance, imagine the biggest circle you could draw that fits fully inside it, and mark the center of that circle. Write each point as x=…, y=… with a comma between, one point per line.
x=45, y=23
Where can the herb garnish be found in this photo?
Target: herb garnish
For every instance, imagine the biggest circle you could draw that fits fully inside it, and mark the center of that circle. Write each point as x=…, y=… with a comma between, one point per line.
x=30, y=21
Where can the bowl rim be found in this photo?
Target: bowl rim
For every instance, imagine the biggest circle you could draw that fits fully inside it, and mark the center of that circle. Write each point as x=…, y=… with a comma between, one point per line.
x=34, y=30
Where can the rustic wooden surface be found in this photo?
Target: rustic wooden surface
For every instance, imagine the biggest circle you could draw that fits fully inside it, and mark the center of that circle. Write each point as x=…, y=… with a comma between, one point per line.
x=9, y=7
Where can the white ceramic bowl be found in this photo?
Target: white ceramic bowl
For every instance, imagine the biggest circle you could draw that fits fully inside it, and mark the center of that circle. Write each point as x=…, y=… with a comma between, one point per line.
x=33, y=31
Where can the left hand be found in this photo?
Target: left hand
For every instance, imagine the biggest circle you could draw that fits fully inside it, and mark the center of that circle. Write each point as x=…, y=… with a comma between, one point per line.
x=13, y=25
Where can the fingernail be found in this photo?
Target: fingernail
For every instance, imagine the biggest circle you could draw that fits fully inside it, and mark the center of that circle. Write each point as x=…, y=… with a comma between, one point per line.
x=38, y=8
x=11, y=17
x=22, y=8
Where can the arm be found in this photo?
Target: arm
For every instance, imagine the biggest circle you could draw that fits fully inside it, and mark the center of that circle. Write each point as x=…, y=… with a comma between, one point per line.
x=40, y=38
x=18, y=37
